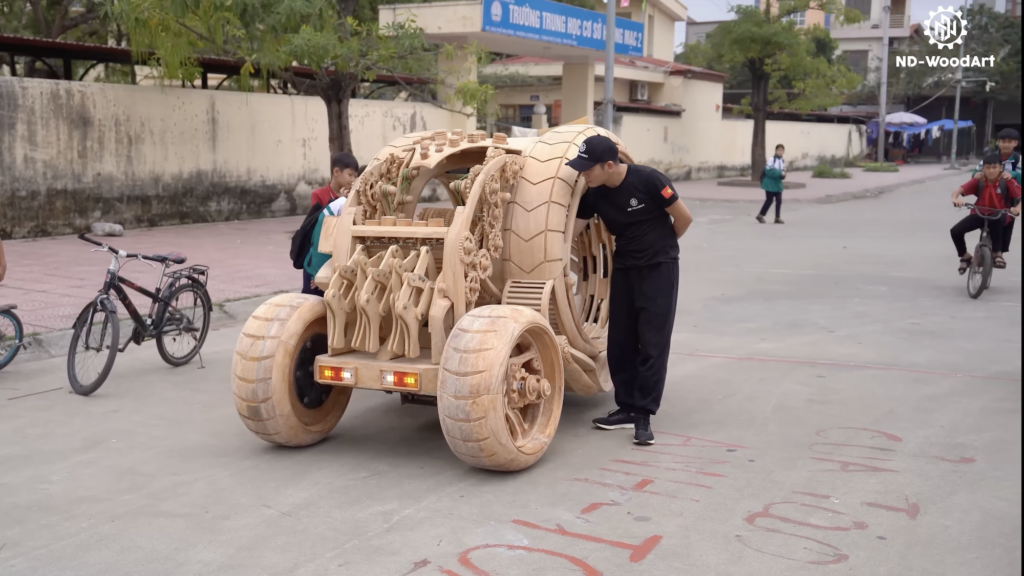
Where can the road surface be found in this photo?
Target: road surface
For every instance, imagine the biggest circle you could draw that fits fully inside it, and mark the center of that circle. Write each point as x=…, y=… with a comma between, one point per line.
x=836, y=405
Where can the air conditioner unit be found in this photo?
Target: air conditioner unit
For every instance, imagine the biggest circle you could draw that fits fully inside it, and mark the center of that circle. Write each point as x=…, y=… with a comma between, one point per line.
x=638, y=92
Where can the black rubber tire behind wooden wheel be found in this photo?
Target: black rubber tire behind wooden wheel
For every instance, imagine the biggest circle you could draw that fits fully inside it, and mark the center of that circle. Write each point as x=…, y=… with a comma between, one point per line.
x=264, y=367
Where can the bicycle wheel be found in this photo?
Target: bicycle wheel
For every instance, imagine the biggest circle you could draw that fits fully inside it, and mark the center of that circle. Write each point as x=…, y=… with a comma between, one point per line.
x=11, y=335
x=980, y=274
x=97, y=335
x=185, y=330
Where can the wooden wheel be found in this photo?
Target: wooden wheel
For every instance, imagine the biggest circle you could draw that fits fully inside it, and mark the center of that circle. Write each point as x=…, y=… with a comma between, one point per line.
x=272, y=373
x=500, y=388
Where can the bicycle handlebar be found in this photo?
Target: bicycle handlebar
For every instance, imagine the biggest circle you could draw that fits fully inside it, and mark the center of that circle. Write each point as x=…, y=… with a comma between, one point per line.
x=108, y=248
x=994, y=213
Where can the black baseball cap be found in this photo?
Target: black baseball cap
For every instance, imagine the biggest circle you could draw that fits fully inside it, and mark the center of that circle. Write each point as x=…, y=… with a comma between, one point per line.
x=1008, y=134
x=593, y=151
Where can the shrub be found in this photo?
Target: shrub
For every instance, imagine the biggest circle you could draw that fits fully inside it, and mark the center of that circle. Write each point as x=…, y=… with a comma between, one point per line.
x=826, y=171
x=880, y=167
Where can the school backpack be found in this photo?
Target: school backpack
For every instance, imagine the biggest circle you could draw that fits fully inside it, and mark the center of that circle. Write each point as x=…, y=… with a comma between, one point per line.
x=303, y=238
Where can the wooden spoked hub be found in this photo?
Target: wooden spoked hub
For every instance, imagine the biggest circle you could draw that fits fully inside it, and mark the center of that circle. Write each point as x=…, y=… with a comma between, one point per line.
x=500, y=387
x=526, y=392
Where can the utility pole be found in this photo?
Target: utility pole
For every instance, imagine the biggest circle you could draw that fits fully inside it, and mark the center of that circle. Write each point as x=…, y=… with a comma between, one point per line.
x=956, y=103
x=609, y=65
x=883, y=96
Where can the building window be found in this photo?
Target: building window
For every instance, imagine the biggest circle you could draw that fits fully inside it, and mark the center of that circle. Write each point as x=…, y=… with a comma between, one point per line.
x=857, y=60
x=509, y=114
x=798, y=18
x=862, y=6
x=701, y=37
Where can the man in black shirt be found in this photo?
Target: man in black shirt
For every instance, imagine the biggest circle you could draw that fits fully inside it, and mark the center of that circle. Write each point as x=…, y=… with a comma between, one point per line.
x=641, y=209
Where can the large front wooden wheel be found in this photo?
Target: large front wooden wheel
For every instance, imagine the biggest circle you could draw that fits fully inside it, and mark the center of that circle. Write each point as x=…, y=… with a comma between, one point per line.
x=501, y=387
x=272, y=373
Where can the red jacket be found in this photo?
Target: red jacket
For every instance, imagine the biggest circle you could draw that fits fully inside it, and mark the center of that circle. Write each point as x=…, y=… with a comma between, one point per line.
x=989, y=195
x=322, y=196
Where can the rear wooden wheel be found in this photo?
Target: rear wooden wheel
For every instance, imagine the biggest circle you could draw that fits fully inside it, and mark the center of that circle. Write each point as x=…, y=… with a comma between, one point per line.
x=272, y=373
x=500, y=388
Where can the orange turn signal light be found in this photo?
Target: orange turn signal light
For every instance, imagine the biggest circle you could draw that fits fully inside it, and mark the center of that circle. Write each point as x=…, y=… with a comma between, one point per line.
x=337, y=374
x=407, y=380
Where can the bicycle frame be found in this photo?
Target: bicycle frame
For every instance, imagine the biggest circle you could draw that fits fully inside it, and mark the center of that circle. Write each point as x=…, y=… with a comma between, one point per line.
x=146, y=328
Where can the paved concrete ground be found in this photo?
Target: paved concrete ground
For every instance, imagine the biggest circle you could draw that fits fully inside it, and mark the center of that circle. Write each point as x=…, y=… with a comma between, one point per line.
x=836, y=405
x=51, y=279
x=822, y=190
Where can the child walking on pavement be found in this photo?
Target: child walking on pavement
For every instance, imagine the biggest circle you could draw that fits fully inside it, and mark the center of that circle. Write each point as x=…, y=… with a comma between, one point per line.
x=771, y=182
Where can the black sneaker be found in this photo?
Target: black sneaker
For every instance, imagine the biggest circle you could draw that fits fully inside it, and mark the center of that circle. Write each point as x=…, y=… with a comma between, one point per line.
x=643, y=434
x=616, y=420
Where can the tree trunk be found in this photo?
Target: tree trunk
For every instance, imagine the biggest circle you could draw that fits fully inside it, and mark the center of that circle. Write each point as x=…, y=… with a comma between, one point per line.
x=336, y=94
x=759, y=108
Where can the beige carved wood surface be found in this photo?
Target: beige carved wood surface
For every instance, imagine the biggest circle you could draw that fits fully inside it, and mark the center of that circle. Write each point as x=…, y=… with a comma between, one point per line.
x=509, y=308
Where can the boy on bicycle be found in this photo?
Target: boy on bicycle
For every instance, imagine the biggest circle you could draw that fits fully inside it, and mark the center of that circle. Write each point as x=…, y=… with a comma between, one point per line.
x=1007, y=141
x=994, y=192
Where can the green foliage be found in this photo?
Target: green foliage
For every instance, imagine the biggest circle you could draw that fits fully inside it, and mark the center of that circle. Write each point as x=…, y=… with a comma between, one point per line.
x=268, y=37
x=785, y=67
x=990, y=33
x=881, y=167
x=54, y=20
x=825, y=171
x=797, y=63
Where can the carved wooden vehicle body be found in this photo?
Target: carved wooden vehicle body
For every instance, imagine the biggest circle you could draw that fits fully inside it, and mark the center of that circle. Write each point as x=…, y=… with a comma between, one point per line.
x=488, y=309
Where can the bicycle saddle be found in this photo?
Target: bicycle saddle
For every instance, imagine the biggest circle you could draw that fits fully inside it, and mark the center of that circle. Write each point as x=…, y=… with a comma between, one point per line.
x=174, y=258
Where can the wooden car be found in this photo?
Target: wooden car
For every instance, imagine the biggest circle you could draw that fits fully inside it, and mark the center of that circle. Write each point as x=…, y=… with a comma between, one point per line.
x=488, y=310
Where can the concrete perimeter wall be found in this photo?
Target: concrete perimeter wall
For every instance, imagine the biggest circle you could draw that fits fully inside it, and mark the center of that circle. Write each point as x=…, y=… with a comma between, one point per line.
x=719, y=148
x=74, y=153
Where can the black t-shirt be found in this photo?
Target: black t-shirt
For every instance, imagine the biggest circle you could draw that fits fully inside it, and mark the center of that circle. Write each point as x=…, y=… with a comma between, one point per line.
x=634, y=212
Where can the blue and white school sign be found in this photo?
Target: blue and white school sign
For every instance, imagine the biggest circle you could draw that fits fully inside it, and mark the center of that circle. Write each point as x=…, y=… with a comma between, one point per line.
x=560, y=24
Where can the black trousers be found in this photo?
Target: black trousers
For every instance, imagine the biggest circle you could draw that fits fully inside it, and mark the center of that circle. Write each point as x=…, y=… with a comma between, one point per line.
x=972, y=223
x=1008, y=234
x=641, y=313
x=307, y=281
x=770, y=197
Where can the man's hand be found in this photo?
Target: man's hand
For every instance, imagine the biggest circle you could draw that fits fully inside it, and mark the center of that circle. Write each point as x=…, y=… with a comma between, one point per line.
x=312, y=284
x=980, y=175
x=681, y=217
x=1006, y=176
x=959, y=202
x=1015, y=211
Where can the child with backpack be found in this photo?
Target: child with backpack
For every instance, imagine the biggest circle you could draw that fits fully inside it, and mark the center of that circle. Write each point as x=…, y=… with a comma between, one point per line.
x=771, y=182
x=1006, y=143
x=993, y=193
x=327, y=201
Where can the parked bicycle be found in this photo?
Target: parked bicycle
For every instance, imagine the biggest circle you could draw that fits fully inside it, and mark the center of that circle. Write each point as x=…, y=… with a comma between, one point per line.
x=12, y=334
x=979, y=275
x=178, y=319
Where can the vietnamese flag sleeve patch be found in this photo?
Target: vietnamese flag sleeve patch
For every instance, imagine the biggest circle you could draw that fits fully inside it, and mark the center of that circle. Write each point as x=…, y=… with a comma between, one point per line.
x=666, y=192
